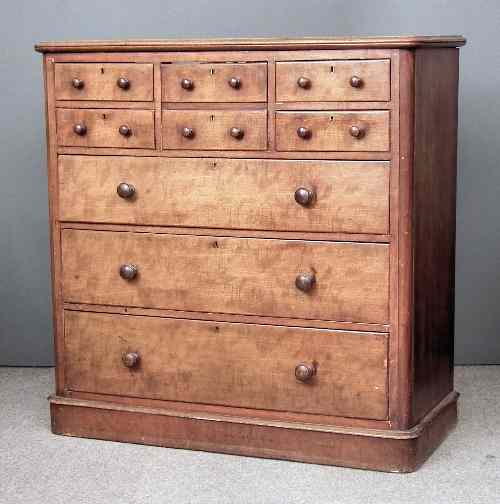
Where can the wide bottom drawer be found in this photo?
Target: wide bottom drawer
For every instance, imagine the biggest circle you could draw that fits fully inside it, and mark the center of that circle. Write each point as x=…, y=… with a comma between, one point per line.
x=315, y=371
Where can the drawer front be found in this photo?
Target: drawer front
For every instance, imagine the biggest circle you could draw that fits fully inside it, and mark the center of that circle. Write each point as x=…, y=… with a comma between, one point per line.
x=215, y=129
x=214, y=82
x=346, y=196
x=106, y=128
x=304, y=81
x=333, y=131
x=240, y=365
x=339, y=281
x=104, y=81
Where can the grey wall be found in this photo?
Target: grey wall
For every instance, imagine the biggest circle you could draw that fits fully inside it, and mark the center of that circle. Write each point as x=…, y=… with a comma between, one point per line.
x=25, y=325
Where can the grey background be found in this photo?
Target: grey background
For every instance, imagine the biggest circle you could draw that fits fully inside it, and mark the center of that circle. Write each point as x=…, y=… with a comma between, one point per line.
x=25, y=307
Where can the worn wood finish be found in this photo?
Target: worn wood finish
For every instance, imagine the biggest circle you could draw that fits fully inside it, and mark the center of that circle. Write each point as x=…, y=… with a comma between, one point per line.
x=330, y=80
x=212, y=129
x=105, y=104
x=402, y=261
x=239, y=233
x=168, y=57
x=330, y=131
x=211, y=82
x=102, y=128
x=230, y=317
x=246, y=44
x=434, y=203
x=100, y=81
x=180, y=360
x=227, y=275
x=55, y=226
x=351, y=197
x=239, y=154
x=250, y=414
x=220, y=241
x=402, y=451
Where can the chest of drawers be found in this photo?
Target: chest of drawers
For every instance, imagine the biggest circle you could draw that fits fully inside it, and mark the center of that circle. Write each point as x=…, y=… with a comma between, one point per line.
x=253, y=245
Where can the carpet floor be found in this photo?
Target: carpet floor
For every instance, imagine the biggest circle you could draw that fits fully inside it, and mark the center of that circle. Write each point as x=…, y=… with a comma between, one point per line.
x=39, y=467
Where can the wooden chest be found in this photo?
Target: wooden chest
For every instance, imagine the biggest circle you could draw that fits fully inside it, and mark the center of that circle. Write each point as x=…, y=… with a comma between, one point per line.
x=253, y=245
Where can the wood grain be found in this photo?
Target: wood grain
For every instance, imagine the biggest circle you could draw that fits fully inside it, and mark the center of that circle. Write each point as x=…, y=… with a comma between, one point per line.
x=237, y=233
x=102, y=128
x=210, y=81
x=330, y=81
x=434, y=185
x=228, y=275
x=401, y=336
x=247, y=44
x=351, y=197
x=55, y=227
x=253, y=365
x=239, y=154
x=249, y=414
x=212, y=129
x=228, y=317
x=100, y=81
x=330, y=131
x=402, y=451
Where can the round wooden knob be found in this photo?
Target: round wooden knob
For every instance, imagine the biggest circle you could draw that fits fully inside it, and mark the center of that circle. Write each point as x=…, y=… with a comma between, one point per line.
x=237, y=133
x=124, y=130
x=80, y=129
x=234, y=82
x=188, y=132
x=78, y=83
x=304, y=371
x=187, y=84
x=304, y=82
x=305, y=282
x=128, y=271
x=304, y=196
x=304, y=132
x=130, y=359
x=123, y=83
x=356, y=81
x=125, y=190
x=356, y=132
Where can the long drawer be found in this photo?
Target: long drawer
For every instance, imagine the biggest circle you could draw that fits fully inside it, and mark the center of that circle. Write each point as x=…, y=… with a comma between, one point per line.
x=242, y=365
x=281, y=278
x=330, y=196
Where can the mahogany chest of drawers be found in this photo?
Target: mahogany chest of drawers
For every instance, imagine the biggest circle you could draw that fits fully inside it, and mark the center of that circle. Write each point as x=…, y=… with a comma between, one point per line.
x=253, y=244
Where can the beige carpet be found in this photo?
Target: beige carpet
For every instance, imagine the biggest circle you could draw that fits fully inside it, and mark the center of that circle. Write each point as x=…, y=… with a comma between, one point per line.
x=37, y=467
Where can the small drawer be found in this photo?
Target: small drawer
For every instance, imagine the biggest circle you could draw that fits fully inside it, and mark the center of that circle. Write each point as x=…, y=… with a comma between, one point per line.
x=342, y=281
x=214, y=82
x=329, y=196
x=106, y=128
x=104, y=81
x=241, y=365
x=215, y=129
x=366, y=131
x=336, y=80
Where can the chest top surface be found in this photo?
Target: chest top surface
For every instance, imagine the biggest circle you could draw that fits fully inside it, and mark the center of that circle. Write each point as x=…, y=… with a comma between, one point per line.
x=229, y=44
